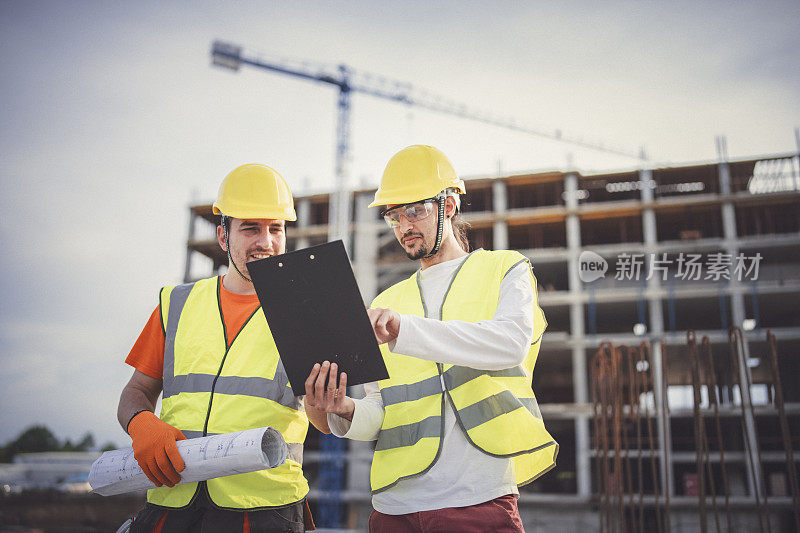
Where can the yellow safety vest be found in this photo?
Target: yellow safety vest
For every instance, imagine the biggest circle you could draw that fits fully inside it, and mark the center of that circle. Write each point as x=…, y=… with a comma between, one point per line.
x=211, y=388
x=497, y=410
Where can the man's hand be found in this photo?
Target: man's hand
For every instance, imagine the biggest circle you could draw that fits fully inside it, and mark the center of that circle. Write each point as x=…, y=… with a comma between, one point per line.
x=385, y=324
x=332, y=399
x=155, y=450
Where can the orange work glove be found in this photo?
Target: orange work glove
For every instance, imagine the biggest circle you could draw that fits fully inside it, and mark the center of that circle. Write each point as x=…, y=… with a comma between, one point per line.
x=154, y=448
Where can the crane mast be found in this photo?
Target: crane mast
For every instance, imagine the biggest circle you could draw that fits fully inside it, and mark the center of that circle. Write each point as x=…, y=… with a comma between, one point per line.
x=230, y=56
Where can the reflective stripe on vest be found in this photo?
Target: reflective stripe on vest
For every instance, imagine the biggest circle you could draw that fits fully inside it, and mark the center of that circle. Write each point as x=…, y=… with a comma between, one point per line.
x=212, y=387
x=497, y=410
x=409, y=434
x=454, y=377
x=259, y=387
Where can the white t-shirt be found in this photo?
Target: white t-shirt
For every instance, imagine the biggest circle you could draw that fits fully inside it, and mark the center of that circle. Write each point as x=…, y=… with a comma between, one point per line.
x=462, y=475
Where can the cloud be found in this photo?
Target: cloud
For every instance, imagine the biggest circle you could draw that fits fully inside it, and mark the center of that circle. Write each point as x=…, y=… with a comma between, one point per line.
x=114, y=117
x=63, y=375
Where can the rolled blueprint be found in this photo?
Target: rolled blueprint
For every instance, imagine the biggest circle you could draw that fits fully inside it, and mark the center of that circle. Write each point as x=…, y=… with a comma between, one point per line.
x=117, y=471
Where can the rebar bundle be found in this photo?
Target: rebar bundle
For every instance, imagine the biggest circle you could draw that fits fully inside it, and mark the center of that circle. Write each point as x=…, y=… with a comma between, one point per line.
x=622, y=386
x=754, y=461
x=785, y=435
x=633, y=496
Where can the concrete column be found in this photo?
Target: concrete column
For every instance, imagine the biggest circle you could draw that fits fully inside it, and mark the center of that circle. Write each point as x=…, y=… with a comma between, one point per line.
x=650, y=234
x=365, y=247
x=656, y=322
x=187, y=273
x=500, y=204
x=579, y=368
x=728, y=213
x=797, y=139
x=303, y=206
x=365, y=255
x=738, y=316
x=648, y=215
x=303, y=216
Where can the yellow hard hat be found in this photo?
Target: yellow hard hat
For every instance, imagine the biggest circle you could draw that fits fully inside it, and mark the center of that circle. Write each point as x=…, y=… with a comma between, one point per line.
x=416, y=173
x=255, y=191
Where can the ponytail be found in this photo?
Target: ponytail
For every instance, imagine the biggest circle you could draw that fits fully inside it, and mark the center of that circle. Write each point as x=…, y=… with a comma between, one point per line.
x=460, y=227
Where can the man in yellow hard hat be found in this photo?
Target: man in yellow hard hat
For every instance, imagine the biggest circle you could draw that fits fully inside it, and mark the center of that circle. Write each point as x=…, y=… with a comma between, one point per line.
x=207, y=349
x=457, y=425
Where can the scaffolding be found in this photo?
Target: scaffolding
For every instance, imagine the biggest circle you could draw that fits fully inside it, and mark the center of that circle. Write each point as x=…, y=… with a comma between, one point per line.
x=669, y=219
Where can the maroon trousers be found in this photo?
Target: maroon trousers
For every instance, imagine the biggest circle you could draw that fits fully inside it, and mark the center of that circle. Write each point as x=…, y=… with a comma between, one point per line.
x=495, y=516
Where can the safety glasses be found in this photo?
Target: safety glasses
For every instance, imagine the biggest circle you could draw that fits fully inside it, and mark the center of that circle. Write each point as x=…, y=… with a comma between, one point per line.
x=412, y=211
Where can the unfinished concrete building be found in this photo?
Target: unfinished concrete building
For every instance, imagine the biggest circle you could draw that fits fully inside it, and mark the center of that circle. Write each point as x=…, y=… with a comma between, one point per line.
x=739, y=220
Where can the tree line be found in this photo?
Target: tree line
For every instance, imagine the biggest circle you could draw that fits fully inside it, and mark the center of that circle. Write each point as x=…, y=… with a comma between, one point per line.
x=41, y=439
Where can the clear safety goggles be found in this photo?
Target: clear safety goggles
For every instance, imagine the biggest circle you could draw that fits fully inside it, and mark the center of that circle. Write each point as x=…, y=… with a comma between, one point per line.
x=412, y=212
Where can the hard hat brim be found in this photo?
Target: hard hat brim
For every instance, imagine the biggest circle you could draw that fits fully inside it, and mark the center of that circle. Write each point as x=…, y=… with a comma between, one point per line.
x=407, y=197
x=255, y=213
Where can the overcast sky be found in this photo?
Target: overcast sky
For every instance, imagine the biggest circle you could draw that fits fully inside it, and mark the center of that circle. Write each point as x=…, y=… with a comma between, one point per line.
x=114, y=121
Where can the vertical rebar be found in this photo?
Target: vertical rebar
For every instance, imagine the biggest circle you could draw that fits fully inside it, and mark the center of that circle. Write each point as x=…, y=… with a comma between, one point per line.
x=704, y=435
x=636, y=386
x=787, y=439
x=691, y=342
x=736, y=340
x=628, y=415
x=616, y=409
x=664, y=422
x=603, y=362
x=606, y=407
x=597, y=370
x=711, y=385
x=646, y=359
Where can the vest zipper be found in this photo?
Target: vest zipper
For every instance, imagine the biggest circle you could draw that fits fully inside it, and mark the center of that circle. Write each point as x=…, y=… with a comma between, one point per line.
x=225, y=355
x=202, y=486
x=213, y=386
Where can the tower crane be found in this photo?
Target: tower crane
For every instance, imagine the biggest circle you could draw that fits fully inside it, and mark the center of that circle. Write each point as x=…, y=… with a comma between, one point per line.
x=348, y=81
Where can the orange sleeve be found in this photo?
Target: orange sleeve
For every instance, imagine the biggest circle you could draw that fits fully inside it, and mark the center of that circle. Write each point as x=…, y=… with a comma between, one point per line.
x=147, y=354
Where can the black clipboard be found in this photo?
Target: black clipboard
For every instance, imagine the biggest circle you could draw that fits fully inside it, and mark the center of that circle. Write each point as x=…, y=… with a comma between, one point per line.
x=315, y=313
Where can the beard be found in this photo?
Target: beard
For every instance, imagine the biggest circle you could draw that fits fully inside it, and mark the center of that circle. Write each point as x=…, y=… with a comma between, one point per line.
x=421, y=252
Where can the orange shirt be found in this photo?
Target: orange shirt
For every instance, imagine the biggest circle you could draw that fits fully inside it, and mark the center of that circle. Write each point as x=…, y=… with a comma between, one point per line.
x=147, y=354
